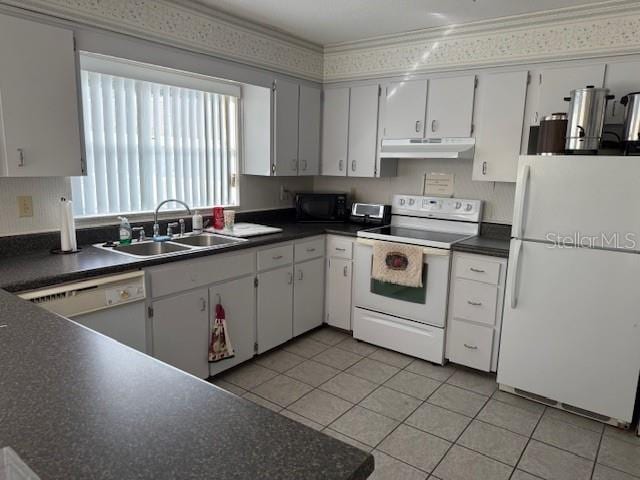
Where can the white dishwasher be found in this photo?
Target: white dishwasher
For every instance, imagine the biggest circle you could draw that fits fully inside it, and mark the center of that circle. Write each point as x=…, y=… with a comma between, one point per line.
x=113, y=305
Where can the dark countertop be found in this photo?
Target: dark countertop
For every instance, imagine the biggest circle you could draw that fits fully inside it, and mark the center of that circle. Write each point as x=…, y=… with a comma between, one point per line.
x=493, y=240
x=495, y=247
x=41, y=268
x=76, y=404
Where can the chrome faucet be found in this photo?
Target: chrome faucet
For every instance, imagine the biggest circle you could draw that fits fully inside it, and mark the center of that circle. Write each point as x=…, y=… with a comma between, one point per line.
x=156, y=227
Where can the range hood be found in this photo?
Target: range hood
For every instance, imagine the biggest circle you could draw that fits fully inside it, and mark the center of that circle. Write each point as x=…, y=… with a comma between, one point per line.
x=428, y=148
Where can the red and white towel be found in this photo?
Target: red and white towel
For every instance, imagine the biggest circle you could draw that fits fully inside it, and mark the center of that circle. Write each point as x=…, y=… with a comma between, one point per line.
x=220, y=345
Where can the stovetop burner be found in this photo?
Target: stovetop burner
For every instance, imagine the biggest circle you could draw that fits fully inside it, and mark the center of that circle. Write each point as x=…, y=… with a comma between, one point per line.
x=429, y=221
x=417, y=234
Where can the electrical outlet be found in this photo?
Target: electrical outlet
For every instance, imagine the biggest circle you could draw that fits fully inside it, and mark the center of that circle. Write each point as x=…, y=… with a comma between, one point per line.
x=25, y=206
x=283, y=193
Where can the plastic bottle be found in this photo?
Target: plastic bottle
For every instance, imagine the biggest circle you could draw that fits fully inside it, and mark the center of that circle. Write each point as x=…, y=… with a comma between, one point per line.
x=125, y=231
x=196, y=222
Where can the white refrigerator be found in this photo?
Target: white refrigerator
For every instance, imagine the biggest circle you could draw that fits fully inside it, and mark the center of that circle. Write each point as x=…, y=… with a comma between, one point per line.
x=571, y=325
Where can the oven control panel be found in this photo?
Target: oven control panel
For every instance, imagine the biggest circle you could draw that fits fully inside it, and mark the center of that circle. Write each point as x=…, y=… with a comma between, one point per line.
x=437, y=207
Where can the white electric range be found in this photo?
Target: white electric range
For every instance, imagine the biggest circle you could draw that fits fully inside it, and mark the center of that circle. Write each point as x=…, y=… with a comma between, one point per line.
x=405, y=319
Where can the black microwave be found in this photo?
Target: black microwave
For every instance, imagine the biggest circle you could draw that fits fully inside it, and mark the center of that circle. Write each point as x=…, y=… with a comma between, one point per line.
x=322, y=207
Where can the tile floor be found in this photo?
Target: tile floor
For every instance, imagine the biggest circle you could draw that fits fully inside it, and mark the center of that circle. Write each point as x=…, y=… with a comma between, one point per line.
x=425, y=421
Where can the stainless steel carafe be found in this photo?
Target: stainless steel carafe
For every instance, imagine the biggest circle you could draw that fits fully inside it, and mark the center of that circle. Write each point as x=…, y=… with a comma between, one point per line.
x=586, y=118
x=631, y=130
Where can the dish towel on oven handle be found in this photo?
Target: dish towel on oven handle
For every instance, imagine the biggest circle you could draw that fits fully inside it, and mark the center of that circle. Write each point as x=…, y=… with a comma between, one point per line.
x=397, y=263
x=220, y=345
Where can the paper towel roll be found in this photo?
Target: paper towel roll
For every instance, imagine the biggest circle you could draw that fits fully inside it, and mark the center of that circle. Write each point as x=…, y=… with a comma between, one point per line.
x=68, y=242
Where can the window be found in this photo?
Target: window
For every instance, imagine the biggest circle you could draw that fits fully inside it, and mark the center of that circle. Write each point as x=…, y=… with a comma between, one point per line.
x=153, y=134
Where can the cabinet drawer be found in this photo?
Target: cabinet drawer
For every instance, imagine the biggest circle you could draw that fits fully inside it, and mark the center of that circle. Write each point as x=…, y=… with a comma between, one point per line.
x=470, y=345
x=308, y=249
x=275, y=257
x=339, y=247
x=180, y=276
x=475, y=268
x=475, y=301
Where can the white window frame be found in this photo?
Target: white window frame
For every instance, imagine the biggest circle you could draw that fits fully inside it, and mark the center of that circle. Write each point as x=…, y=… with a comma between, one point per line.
x=121, y=67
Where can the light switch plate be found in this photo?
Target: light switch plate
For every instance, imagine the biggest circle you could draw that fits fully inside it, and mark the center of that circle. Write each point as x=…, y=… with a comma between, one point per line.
x=25, y=206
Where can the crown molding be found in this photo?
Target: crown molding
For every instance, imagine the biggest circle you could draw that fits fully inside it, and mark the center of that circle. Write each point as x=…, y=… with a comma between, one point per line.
x=605, y=28
x=191, y=27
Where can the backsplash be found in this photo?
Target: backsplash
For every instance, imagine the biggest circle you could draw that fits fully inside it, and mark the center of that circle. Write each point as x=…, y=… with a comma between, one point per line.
x=256, y=193
x=46, y=193
x=498, y=197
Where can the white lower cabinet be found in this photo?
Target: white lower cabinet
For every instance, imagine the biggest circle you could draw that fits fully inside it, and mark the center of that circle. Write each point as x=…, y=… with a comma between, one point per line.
x=338, y=281
x=275, y=307
x=476, y=298
x=308, y=298
x=238, y=299
x=181, y=331
x=338, y=294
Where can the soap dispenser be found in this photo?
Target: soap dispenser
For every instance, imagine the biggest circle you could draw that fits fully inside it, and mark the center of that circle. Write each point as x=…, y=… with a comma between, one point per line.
x=125, y=231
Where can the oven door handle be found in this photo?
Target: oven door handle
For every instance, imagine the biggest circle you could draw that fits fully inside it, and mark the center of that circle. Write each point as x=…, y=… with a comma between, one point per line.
x=426, y=250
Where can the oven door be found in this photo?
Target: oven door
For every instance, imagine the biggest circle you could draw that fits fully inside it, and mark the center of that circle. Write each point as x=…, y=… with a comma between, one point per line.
x=427, y=304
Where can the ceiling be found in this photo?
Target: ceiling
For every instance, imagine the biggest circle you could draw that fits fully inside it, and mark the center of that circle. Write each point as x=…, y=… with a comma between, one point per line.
x=326, y=22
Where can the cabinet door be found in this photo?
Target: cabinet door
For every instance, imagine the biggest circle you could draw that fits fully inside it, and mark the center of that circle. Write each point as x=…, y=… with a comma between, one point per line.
x=39, y=121
x=363, y=128
x=335, y=131
x=308, y=300
x=557, y=83
x=238, y=298
x=275, y=308
x=286, y=127
x=404, y=109
x=621, y=78
x=181, y=331
x=338, y=301
x=500, y=115
x=309, y=135
x=450, y=107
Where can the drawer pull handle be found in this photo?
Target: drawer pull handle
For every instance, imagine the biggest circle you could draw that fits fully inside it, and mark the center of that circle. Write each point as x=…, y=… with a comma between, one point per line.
x=345, y=271
x=476, y=270
x=311, y=250
x=475, y=304
x=470, y=347
x=277, y=257
x=338, y=249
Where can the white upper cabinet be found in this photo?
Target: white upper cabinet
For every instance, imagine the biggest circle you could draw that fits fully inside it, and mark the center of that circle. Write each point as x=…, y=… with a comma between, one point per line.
x=621, y=78
x=309, y=134
x=39, y=120
x=281, y=129
x=557, y=83
x=335, y=131
x=499, y=119
x=404, y=109
x=363, y=131
x=450, y=107
x=286, y=127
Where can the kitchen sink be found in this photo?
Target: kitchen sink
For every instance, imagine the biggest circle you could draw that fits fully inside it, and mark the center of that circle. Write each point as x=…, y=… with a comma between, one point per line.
x=187, y=243
x=150, y=249
x=206, y=240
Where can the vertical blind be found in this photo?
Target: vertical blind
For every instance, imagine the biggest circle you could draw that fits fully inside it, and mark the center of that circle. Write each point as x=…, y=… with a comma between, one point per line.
x=147, y=142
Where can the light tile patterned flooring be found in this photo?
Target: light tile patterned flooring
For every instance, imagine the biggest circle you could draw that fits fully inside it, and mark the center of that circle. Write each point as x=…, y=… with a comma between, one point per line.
x=425, y=421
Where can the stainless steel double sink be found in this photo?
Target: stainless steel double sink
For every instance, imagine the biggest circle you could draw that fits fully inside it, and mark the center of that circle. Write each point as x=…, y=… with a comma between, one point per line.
x=176, y=245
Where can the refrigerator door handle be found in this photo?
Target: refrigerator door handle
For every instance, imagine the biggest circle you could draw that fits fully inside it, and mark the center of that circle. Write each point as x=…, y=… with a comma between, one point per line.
x=518, y=224
x=513, y=283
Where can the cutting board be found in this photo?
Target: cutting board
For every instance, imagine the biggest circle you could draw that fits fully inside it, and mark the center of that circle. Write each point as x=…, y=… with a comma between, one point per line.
x=245, y=230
